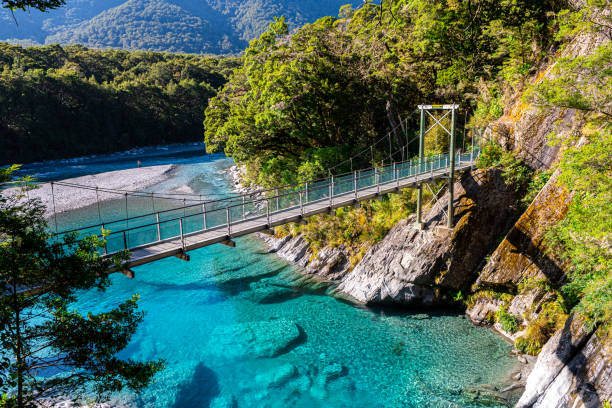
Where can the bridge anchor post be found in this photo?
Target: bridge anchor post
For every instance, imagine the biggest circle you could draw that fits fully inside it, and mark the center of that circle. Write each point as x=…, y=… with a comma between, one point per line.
x=451, y=174
x=419, y=215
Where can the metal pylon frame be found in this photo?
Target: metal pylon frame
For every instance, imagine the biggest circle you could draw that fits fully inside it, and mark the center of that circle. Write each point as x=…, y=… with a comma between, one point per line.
x=448, y=110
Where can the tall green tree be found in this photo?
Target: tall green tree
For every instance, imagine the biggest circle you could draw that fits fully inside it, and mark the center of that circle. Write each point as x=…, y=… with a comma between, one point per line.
x=42, y=5
x=48, y=349
x=305, y=101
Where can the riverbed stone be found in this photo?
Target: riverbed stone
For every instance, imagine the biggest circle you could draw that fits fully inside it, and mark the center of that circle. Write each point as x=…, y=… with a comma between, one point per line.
x=224, y=401
x=254, y=339
x=265, y=293
x=277, y=377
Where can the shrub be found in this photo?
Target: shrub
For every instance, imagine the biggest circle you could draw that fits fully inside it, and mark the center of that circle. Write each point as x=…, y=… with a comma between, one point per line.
x=508, y=321
x=490, y=156
x=552, y=317
x=535, y=185
x=533, y=340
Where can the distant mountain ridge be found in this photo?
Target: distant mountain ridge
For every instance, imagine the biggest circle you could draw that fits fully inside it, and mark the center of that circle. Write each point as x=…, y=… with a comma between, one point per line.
x=193, y=26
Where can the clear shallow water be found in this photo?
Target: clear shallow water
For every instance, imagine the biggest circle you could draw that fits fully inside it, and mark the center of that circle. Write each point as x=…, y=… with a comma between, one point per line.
x=244, y=326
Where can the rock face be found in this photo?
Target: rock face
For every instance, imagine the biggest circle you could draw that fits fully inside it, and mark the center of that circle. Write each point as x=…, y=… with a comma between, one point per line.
x=409, y=265
x=522, y=254
x=406, y=265
x=574, y=369
x=330, y=263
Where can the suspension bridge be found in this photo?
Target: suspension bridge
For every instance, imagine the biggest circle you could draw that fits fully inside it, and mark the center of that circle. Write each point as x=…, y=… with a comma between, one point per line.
x=175, y=232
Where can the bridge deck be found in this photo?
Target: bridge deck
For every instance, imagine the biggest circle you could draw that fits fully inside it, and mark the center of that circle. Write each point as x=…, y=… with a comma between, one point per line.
x=153, y=251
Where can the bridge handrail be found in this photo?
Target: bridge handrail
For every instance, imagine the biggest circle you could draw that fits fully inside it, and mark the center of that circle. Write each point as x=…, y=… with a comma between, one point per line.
x=249, y=195
x=386, y=169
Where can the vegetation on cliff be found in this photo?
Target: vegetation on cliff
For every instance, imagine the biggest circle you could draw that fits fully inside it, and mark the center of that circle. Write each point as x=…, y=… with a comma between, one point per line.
x=304, y=102
x=58, y=102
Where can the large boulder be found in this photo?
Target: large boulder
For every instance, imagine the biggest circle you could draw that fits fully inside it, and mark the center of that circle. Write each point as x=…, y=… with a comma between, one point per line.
x=574, y=369
x=254, y=339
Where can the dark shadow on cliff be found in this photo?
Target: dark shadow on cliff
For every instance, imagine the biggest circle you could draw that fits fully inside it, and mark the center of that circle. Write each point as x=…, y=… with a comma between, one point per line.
x=524, y=246
x=200, y=391
x=576, y=362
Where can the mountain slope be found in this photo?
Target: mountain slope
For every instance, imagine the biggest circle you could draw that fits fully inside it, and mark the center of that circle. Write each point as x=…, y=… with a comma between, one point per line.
x=194, y=26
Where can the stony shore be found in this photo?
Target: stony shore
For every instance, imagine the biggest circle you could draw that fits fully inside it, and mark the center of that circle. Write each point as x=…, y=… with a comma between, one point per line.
x=71, y=198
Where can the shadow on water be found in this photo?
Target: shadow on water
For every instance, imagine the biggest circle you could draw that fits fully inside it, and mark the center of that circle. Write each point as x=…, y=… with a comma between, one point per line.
x=199, y=391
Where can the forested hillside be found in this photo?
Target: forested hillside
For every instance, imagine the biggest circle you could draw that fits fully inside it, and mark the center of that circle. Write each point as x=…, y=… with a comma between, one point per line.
x=303, y=101
x=195, y=26
x=60, y=102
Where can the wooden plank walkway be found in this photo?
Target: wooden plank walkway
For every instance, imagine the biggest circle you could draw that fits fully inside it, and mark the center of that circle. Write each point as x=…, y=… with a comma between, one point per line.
x=178, y=246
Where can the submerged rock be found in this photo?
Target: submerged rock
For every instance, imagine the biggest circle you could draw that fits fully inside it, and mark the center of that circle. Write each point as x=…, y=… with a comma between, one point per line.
x=224, y=401
x=277, y=377
x=264, y=293
x=254, y=339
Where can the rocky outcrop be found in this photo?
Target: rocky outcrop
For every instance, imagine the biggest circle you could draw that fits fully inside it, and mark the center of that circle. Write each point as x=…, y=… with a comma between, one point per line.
x=574, y=369
x=525, y=129
x=522, y=254
x=412, y=266
x=331, y=264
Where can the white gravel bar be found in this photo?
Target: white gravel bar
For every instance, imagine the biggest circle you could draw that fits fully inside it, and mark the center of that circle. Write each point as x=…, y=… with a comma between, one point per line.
x=72, y=198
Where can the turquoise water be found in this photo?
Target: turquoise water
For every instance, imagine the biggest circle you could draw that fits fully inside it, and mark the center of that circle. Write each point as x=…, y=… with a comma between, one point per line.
x=243, y=328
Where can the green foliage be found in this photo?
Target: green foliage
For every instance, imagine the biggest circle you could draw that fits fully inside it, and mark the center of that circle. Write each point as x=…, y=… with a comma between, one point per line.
x=515, y=172
x=57, y=101
x=357, y=229
x=583, y=237
x=583, y=83
x=490, y=155
x=6, y=173
x=42, y=5
x=537, y=182
x=488, y=106
x=551, y=318
x=337, y=82
x=40, y=333
x=508, y=321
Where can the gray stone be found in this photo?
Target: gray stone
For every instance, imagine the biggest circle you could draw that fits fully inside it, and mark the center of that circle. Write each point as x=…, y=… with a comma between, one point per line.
x=331, y=372
x=254, y=339
x=264, y=293
x=555, y=354
x=277, y=377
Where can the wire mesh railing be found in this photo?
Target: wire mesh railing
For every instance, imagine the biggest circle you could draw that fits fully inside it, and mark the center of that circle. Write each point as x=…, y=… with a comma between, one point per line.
x=227, y=214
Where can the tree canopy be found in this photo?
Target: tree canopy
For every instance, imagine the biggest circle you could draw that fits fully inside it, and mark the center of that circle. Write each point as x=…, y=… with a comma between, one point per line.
x=58, y=102
x=309, y=99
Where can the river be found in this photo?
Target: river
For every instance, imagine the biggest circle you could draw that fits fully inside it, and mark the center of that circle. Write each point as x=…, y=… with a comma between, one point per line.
x=240, y=327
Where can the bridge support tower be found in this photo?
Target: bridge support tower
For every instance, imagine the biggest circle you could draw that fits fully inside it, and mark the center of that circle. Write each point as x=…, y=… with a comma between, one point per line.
x=448, y=110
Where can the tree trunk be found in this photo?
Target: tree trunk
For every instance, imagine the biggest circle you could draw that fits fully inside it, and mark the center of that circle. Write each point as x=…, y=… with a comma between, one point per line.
x=19, y=349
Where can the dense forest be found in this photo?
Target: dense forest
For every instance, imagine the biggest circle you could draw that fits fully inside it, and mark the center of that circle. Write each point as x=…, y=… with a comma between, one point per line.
x=58, y=102
x=196, y=26
x=300, y=103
